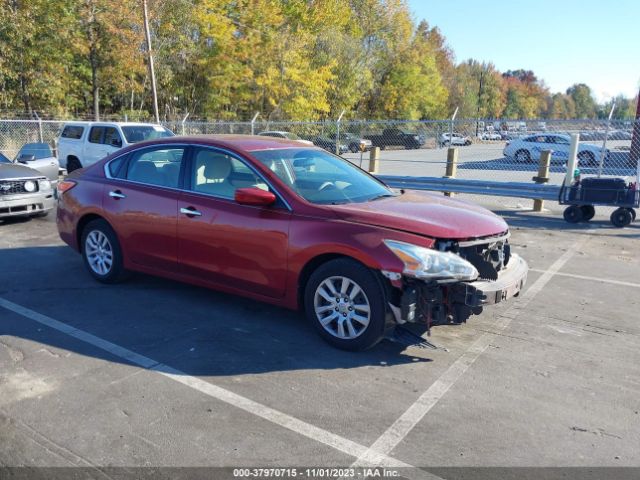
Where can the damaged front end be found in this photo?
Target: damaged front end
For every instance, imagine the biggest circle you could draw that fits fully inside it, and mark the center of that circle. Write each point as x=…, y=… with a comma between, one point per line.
x=454, y=280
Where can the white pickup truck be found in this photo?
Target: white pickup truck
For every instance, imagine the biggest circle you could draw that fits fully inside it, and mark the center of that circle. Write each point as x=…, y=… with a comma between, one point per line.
x=81, y=144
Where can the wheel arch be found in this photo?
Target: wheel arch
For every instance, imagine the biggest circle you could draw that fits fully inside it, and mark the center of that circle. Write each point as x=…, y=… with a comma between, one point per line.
x=83, y=222
x=314, y=263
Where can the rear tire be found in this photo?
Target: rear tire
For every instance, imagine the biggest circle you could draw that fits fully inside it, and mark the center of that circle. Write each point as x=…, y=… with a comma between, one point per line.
x=522, y=156
x=573, y=214
x=73, y=164
x=345, y=302
x=102, y=253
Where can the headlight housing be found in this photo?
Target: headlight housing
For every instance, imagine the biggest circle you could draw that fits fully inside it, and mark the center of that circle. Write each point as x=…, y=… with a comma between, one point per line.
x=44, y=185
x=30, y=186
x=428, y=264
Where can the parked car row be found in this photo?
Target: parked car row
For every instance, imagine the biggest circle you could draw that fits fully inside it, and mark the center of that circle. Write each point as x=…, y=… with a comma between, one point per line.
x=24, y=191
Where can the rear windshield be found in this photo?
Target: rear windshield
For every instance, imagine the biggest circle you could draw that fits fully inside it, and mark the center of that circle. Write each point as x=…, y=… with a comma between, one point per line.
x=38, y=150
x=72, y=131
x=140, y=133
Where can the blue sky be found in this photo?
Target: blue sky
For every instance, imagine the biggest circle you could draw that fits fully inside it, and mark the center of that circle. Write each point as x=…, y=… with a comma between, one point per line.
x=562, y=41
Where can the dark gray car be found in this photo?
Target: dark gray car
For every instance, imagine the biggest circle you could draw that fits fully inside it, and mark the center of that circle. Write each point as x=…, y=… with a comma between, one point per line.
x=23, y=190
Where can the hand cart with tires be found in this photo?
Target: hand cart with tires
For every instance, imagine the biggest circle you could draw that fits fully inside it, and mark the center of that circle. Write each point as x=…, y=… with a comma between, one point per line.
x=583, y=196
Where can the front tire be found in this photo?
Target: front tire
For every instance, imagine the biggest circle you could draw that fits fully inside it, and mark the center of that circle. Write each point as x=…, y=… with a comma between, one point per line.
x=345, y=302
x=587, y=158
x=102, y=253
x=588, y=212
x=573, y=214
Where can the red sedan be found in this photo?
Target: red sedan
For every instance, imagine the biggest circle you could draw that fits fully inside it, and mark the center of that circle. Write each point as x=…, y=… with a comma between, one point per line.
x=289, y=224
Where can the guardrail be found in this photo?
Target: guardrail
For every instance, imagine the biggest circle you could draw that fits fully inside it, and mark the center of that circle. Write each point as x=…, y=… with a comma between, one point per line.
x=475, y=187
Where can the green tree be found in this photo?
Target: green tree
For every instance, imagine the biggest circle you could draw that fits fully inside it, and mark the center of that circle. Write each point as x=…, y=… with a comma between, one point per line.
x=583, y=99
x=34, y=54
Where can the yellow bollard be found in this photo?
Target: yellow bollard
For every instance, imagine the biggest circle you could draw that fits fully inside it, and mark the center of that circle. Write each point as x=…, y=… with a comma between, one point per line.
x=374, y=156
x=452, y=166
x=542, y=177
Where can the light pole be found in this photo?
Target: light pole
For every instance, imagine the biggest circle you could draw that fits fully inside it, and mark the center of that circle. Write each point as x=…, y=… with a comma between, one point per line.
x=152, y=73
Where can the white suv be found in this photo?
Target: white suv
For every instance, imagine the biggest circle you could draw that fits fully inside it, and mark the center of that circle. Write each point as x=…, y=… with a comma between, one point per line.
x=84, y=143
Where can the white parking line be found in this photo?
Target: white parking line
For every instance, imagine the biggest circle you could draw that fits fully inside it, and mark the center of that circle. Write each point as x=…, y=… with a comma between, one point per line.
x=592, y=279
x=416, y=412
x=274, y=416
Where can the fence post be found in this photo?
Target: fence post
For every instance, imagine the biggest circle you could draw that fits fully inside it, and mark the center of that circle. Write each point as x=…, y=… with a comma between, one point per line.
x=542, y=177
x=572, y=160
x=453, y=117
x=452, y=166
x=253, y=123
x=338, y=132
x=184, y=121
x=374, y=156
x=604, y=142
x=40, y=135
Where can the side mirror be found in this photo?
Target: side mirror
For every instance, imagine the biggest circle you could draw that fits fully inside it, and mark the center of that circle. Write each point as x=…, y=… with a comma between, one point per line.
x=116, y=142
x=26, y=158
x=254, y=196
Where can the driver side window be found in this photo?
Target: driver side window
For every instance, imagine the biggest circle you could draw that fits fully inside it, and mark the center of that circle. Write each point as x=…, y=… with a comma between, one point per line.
x=218, y=174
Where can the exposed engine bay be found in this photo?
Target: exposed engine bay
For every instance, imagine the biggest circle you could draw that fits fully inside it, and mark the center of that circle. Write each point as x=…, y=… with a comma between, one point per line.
x=441, y=302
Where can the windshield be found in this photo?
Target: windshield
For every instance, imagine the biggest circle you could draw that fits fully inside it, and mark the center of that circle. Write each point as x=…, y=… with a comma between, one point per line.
x=139, y=133
x=322, y=178
x=38, y=150
x=4, y=159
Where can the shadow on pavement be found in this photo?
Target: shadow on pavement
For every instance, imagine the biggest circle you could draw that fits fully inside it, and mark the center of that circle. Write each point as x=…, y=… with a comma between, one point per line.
x=555, y=221
x=198, y=331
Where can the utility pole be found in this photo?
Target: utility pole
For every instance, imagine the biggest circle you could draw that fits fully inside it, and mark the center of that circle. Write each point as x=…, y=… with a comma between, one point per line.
x=479, y=99
x=152, y=73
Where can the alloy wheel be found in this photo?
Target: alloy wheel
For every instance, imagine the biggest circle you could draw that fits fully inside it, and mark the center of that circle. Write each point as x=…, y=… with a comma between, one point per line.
x=99, y=252
x=342, y=307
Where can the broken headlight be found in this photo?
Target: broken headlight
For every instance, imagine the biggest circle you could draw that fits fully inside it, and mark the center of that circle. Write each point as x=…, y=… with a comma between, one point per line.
x=427, y=264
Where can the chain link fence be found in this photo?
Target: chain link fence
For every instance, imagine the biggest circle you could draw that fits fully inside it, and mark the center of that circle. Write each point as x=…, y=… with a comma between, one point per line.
x=486, y=149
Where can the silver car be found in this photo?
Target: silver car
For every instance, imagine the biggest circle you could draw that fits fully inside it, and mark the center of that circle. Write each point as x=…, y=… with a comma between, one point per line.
x=23, y=190
x=40, y=157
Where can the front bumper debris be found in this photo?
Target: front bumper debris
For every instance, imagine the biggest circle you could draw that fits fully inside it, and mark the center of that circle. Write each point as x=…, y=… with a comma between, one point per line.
x=509, y=284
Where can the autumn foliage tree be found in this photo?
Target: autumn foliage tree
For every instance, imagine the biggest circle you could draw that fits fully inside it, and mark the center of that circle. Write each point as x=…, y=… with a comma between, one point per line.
x=287, y=59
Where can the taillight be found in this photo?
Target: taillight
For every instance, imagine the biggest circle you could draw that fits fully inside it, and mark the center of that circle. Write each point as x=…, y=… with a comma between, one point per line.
x=66, y=185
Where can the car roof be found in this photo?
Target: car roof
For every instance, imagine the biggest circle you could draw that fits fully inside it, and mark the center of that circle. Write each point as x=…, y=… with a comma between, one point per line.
x=247, y=143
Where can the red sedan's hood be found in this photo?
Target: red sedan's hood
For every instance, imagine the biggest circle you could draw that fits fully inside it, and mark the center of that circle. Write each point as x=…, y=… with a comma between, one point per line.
x=425, y=214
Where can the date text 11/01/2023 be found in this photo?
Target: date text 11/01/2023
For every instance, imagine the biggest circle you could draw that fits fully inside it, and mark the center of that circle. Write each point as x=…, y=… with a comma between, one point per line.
x=315, y=472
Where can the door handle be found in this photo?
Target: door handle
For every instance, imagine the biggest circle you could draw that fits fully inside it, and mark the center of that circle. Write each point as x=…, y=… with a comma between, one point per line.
x=190, y=212
x=117, y=194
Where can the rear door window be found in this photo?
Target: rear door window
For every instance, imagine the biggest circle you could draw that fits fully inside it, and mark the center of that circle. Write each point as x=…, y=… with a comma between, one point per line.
x=158, y=166
x=112, y=137
x=96, y=134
